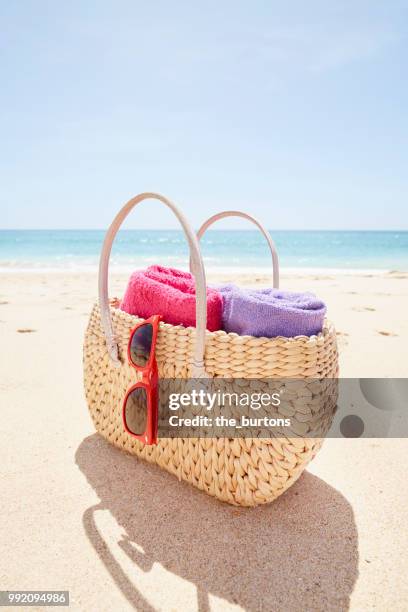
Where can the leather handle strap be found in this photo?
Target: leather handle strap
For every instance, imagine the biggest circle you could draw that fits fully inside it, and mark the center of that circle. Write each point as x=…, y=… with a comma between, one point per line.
x=266, y=234
x=197, y=270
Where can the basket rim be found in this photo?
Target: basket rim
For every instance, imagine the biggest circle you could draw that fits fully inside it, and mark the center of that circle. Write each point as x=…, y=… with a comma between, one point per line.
x=327, y=331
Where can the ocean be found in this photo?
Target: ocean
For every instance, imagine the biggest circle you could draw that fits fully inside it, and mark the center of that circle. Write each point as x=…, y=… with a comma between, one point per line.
x=243, y=251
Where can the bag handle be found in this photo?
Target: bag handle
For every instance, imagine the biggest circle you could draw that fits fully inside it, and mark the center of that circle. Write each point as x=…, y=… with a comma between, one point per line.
x=197, y=270
x=238, y=213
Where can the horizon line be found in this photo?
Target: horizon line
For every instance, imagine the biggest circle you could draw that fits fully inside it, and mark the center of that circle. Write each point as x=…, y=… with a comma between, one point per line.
x=175, y=229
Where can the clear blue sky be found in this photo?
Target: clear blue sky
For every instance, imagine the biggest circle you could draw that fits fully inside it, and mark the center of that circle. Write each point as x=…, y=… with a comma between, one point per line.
x=296, y=111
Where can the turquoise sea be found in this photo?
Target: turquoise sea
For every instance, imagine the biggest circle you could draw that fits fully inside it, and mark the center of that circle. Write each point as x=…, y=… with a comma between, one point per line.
x=78, y=250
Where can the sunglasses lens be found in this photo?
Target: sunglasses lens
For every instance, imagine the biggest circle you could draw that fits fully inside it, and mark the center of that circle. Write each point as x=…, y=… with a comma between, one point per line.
x=136, y=411
x=141, y=345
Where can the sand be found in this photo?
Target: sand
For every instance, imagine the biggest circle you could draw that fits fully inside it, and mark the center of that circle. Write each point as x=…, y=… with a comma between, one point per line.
x=80, y=515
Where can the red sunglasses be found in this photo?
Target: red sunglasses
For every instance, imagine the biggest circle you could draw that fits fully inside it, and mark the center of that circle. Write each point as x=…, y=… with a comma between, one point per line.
x=140, y=406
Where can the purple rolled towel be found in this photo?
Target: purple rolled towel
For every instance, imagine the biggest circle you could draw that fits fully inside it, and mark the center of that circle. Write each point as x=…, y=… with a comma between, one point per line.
x=270, y=312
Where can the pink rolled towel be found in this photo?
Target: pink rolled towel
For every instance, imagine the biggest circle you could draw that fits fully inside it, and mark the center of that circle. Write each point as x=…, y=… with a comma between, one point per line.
x=170, y=293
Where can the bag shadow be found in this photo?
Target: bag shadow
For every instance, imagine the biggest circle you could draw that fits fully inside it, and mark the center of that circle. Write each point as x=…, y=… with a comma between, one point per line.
x=298, y=553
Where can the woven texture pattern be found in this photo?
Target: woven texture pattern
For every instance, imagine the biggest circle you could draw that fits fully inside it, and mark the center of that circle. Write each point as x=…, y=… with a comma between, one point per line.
x=239, y=471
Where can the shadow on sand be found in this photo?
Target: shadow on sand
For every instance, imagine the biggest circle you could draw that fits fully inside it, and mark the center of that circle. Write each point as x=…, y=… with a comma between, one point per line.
x=298, y=553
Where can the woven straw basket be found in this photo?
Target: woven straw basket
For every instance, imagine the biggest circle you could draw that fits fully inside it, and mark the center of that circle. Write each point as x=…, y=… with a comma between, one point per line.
x=240, y=471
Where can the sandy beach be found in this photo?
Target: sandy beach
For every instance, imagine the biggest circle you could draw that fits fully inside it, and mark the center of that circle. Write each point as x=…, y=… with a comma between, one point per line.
x=79, y=515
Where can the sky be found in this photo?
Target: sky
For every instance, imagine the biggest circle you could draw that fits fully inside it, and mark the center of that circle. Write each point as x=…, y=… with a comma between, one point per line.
x=293, y=111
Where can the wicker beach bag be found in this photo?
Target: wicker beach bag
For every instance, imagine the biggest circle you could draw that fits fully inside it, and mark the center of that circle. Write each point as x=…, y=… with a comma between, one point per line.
x=240, y=471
